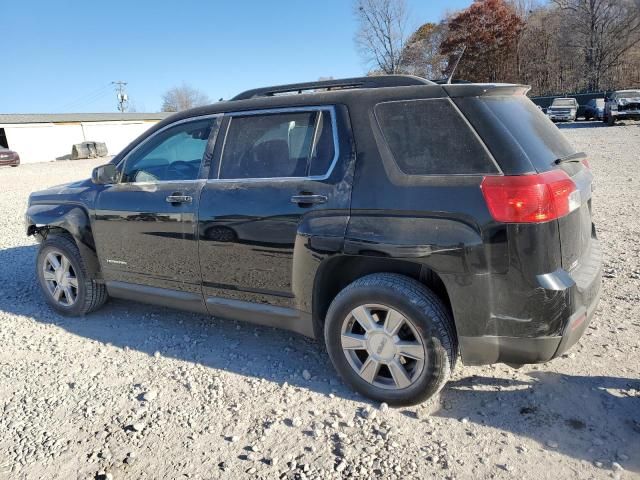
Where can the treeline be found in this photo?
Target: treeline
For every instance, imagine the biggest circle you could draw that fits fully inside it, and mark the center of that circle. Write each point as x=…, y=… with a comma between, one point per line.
x=558, y=46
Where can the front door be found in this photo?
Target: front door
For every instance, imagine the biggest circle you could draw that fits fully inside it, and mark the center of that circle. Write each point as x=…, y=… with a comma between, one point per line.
x=145, y=225
x=278, y=178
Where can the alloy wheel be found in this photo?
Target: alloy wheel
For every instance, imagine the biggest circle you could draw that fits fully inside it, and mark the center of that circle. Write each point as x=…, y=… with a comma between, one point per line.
x=60, y=278
x=383, y=346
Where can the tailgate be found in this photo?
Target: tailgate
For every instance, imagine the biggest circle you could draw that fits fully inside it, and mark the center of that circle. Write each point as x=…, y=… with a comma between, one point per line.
x=576, y=229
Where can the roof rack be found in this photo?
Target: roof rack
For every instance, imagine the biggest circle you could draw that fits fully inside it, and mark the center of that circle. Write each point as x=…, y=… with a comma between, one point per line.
x=341, y=84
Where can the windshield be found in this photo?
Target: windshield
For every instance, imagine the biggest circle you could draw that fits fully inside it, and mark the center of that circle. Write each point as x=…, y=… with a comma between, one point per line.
x=564, y=102
x=634, y=94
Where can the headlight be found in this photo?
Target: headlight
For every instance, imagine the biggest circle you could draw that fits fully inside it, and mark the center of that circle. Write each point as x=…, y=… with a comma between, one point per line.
x=573, y=111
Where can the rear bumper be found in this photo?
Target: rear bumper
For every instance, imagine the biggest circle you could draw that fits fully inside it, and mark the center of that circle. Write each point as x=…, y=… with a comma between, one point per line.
x=581, y=289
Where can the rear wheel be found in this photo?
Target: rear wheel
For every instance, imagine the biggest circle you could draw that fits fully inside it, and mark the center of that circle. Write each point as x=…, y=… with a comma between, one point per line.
x=391, y=339
x=64, y=280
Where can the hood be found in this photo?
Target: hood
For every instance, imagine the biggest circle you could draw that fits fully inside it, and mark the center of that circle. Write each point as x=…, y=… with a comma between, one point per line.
x=625, y=100
x=74, y=192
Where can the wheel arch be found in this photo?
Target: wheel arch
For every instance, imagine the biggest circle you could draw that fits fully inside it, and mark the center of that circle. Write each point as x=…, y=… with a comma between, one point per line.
x=68, y=219
x=337, y=272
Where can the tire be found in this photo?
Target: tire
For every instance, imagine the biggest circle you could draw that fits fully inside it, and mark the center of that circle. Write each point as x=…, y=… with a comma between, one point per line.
x=425, y=319
x=87, y=296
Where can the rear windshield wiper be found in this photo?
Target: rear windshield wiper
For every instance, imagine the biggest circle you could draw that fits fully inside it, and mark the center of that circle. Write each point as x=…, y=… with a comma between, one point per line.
x=574, y=157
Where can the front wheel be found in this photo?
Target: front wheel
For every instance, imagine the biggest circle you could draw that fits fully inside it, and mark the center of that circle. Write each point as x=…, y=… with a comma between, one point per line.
x=64, y=280
x=391, y=338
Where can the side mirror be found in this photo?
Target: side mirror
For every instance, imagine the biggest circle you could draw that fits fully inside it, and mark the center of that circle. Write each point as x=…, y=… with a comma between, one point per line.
x=105, y=174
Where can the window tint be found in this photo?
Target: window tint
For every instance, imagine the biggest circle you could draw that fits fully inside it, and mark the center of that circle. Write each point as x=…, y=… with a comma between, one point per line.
x=174, y=154
x=516, y=118
x=294, y=144
x=429, y=137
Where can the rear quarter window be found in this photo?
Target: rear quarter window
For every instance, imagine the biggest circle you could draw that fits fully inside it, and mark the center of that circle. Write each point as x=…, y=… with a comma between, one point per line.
x=430, y=137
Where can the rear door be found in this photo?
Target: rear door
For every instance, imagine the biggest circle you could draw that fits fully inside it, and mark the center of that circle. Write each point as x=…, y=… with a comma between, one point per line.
x=279, y=179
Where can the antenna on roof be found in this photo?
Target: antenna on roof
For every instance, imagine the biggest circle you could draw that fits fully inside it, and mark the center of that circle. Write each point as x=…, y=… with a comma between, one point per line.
x=455, y=65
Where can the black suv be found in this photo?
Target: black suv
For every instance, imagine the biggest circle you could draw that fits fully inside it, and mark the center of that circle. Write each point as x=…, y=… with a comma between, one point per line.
x=401, y=222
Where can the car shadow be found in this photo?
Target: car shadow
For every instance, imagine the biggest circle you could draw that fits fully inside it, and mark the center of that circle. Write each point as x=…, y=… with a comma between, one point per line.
x=242, y=348
x=588, y=418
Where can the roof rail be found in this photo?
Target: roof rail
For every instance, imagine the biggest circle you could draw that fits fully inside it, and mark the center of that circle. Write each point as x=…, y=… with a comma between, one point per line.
x=344, y=83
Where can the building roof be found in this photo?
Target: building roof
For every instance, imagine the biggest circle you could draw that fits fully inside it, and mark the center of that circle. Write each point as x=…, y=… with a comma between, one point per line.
x=8, y=118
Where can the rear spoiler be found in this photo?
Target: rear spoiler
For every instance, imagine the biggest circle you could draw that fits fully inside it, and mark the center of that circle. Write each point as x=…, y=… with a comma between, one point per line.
x=485, y=89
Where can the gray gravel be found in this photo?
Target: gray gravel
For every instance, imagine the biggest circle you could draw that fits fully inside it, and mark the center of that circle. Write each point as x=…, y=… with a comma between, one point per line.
x=140, y=392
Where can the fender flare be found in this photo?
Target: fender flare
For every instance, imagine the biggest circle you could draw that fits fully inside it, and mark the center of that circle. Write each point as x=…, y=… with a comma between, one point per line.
x=74, y=219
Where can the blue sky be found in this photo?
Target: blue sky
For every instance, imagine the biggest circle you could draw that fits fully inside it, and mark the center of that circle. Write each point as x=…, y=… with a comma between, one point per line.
x=60, y=56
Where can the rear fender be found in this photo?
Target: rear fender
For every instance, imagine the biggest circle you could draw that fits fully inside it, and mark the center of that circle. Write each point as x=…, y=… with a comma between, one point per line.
x=41, y=220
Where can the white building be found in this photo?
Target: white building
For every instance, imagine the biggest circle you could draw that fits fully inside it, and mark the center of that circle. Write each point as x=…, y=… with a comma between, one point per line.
x=46, y=137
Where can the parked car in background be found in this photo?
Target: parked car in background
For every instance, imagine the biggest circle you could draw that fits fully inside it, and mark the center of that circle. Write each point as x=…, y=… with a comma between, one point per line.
x=594, y=109
x=9, y=157
x=337, y=213
x=622, y=105
x=563, y=110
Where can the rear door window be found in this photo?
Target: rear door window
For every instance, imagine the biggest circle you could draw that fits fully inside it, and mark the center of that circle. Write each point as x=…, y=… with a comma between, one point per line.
x=430, y=137
x=278, y=145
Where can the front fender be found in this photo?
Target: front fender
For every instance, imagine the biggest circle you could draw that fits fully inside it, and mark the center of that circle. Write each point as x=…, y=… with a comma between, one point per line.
x=74, y=219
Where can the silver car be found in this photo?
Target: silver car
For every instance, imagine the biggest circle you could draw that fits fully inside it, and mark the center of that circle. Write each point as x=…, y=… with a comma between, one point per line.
x=622, y=105
x=563, y=110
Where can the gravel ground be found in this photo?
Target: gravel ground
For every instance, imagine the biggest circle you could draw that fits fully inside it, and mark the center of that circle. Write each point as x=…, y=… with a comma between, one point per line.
x=134, y=391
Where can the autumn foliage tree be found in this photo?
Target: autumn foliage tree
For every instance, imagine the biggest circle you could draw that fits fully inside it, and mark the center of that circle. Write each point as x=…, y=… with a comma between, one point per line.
x=489, y=30
x=422, y=55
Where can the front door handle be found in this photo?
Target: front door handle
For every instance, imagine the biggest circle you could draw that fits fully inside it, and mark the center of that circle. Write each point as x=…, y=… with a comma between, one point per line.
x=176, y=198
x=308, y=199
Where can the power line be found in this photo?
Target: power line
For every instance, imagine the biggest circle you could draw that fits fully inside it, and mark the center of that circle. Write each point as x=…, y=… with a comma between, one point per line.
x=84, y=97
x=92, y=99
x=121, y=93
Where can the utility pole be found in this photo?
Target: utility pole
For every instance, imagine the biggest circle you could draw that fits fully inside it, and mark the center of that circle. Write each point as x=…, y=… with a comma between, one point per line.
x=121, y=94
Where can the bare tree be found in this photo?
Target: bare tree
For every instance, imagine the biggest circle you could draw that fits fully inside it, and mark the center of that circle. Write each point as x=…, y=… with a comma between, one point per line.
x=381, y=34
x=603, y=31
x=422, y=55
x=182, y=98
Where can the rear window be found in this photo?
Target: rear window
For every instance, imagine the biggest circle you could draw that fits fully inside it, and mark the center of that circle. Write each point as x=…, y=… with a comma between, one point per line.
x=514, y=129
x=564, y=102
x=429, y=137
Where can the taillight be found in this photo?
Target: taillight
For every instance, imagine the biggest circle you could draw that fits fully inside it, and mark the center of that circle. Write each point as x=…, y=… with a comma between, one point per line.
x=530, y=198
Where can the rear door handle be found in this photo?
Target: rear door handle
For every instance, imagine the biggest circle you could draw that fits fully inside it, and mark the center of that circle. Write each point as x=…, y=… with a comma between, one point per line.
x=176, y=198
x=308, y=199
